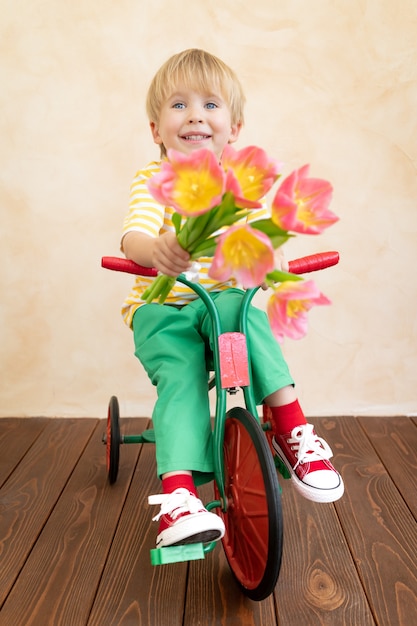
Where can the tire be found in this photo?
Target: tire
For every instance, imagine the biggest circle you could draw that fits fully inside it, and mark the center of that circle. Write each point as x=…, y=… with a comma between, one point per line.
x=253, y=519
x=113, y=440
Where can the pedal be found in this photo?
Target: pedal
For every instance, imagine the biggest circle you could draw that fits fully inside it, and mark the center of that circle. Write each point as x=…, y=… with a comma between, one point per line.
x=177, y=554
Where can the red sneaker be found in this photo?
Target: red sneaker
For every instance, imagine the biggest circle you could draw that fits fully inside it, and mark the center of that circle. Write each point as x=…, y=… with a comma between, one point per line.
x=183, y=519
x=306, y=458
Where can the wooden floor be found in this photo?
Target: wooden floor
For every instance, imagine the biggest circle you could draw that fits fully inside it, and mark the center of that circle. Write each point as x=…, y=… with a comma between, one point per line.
x=75, y=551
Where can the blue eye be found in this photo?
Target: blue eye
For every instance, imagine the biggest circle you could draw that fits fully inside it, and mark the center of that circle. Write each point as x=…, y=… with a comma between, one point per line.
x=178, y=105
x=211, y=105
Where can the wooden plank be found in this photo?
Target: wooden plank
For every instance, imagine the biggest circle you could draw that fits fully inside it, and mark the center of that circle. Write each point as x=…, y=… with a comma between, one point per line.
x=378, y=525
x=395, y=440
x=16, y=437
x=31, y=492
x=59, y=580
x=213, y=597
x=318, y=582
x=131, y=590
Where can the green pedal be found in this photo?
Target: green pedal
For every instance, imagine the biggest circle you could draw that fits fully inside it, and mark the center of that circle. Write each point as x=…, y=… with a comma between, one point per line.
x=176, y=554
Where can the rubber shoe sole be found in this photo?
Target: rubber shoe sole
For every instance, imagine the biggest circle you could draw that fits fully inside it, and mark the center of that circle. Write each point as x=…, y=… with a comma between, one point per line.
x=199, y=527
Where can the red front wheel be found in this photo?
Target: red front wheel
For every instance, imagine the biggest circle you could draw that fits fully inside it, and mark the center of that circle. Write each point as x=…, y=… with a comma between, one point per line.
x=253, y=520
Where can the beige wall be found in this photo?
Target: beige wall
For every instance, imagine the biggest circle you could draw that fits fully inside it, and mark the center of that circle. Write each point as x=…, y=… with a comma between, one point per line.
x=330, y=82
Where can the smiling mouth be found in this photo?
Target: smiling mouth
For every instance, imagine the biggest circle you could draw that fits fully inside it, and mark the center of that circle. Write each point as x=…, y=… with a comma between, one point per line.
x=195, y=137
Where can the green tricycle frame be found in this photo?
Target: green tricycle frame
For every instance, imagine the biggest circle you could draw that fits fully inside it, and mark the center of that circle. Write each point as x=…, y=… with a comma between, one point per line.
x=247, y=494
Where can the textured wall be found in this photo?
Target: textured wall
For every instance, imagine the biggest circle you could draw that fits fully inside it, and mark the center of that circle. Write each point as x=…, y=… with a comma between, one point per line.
x=328, y=82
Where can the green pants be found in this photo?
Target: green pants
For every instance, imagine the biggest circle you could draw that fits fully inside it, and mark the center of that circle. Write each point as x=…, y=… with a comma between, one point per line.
x=172, y=345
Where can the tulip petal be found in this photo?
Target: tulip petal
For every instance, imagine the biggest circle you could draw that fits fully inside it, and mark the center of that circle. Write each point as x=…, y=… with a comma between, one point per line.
x=245, y=253
x=288, y=306
x=191, y=184
x=301, y=203
x=254, y=173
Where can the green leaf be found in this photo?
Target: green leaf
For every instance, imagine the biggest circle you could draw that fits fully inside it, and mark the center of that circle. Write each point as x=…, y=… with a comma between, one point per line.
x=194, y=230
x=228, y=202
x=277, y=235
x=205, y=248
x=198, y=229
x=224, y=214
x=268, y=227
x=278, y=276
x=176, y=220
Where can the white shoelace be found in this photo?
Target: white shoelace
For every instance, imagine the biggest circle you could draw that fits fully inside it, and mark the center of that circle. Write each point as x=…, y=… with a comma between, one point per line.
x=175, y=503
x=308, y=446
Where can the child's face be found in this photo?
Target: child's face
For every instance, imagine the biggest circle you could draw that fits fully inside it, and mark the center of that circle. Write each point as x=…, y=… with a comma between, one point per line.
x=190, y=120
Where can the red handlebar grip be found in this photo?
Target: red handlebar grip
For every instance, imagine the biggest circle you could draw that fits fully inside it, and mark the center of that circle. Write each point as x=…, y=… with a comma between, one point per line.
x=124, y=265
x=313, y=262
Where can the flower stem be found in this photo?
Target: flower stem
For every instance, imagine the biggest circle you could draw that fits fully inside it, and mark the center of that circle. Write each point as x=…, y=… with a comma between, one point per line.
x=159, y=289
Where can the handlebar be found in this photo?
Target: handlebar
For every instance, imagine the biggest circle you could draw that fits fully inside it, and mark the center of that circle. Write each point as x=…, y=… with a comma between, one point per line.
x=124, y=265
x=303, y=265
x=313, y=262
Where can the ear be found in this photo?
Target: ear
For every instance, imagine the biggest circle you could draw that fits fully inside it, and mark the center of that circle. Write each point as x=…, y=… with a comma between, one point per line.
x=234, y=132
x=155, y=133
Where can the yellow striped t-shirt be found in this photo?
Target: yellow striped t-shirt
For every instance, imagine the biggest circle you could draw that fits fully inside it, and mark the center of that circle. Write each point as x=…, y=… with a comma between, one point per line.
x=147, y=216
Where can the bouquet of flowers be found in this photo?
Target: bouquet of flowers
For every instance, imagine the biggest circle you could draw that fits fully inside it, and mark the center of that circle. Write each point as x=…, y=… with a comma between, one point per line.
x=215, y=216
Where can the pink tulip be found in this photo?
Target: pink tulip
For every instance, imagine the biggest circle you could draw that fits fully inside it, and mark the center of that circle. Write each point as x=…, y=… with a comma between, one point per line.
x=191, y=184
x=301, y=204
x=250, y=174
x=288, y=306
x=245, y=253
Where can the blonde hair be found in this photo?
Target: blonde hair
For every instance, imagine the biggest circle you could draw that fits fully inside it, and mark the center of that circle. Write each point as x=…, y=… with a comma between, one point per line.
x=198, y=70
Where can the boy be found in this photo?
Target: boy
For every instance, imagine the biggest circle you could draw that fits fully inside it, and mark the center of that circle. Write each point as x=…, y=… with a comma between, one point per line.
x=196, y=101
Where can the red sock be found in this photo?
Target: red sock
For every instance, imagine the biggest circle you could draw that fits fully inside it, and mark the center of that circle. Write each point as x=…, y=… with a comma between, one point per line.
x=285, y=418
x=177, y=481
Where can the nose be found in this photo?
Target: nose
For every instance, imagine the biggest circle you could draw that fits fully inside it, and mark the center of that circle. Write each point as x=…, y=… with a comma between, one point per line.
x=195, y=116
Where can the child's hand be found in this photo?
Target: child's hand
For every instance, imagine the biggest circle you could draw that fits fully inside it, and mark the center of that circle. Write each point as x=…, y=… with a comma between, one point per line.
x=168, y=257
x=281, y=263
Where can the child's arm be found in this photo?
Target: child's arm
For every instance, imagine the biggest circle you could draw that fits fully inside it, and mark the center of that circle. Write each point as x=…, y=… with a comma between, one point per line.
x=163, y=252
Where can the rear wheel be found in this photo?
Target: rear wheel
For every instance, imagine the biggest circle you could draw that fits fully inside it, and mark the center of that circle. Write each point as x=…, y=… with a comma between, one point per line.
x=113, y=440
x=253, y=519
